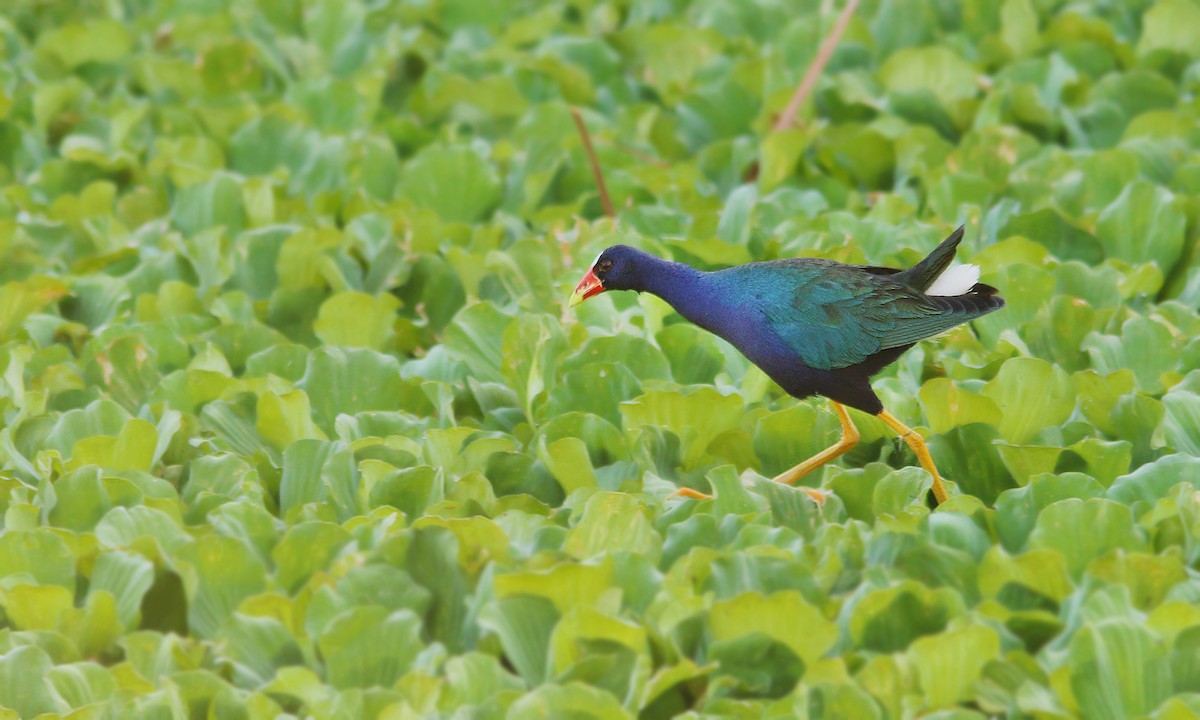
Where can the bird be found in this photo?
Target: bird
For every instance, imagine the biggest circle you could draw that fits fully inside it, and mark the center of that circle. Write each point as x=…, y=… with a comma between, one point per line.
x=814, y=326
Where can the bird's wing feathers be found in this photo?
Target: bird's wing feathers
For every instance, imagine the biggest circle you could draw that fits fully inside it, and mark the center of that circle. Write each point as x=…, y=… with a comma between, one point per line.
x=839, y=315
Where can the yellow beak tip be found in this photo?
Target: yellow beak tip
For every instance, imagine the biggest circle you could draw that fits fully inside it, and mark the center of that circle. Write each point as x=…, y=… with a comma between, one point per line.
x=576, y=298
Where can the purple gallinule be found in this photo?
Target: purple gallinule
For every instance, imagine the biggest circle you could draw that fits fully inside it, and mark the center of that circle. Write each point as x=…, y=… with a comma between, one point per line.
x=816, y=327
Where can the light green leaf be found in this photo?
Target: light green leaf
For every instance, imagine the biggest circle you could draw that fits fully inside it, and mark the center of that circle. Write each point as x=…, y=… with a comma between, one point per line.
x=36, y=607
x=1181, y=424
x=215, y=203
x=692, y=353
x=1145, y=223
x=19, y=298
x=1043, y=571
x=99, y=41
x=475, y=677
x=936, y=69
x=888, y=619
x=370, y=646
x=582, y=627
x=84, y=683
x=1105, y=461
x=524, y=624
x=565, y=585
x=316, y=471
x=218, y=573
x=1167, y=26
x=357, y=319
x=455, y=182
x=1144, y=346
x=899, y=490
x=1154, y=480
x=285, y=419
x=132, y=449
x=1026, y=414
x=730, y=496
x=1082, y=530
x=613, y=522
x=23, y=682
x=947, y=406
x=1024, y=462
x=574, y=700
x=123, y=527
x=786, y=437
x=672, y=52
x=1118, y=669
x=42, y=555
x=480, y=541
x=1098, y=395
x=476, y=337
x=1148, y=577
x=102, y=417
x=1018, y=510
x=260, y=646
x=949, y=664
x=568, y=461
x=304, y=549
x=737, y=217
x=410, y=490
x=351, y=381
x=696, y=418
x=1019, y=26
x=127, y=577
x=783, y=616
x=781, y=152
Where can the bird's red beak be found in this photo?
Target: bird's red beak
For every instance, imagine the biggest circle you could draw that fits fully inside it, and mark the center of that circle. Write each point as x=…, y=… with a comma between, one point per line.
x=587, y=287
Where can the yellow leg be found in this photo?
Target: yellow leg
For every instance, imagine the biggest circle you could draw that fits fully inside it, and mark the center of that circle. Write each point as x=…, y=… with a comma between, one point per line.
x=844, y=444
x=917, y=443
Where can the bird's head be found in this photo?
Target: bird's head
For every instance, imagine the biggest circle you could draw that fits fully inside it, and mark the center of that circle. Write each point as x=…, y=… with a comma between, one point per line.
x=617, y=268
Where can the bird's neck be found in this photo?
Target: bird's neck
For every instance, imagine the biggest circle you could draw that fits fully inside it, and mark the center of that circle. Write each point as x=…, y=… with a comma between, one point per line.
x=681, y=286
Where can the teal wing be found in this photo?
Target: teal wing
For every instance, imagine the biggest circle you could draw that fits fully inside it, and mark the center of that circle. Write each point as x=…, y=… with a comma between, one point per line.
x=835, y=315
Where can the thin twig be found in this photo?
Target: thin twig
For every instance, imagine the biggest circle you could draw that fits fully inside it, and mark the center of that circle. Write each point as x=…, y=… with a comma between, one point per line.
x=605, y=200
x=809, y=81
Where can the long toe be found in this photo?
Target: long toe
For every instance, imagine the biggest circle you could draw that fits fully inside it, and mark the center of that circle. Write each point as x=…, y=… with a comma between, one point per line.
x=690, y=493
x=818, y=496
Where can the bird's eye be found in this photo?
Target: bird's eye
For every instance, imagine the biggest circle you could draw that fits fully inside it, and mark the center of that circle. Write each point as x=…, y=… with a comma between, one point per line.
x=604, y=265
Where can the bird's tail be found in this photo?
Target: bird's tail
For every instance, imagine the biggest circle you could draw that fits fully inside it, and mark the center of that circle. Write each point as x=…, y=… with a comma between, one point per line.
x=979, y=300
x=923, y=275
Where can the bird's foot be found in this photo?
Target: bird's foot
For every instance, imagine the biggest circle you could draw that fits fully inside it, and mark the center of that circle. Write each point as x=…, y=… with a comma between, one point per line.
x=789, y=478
x=815, y=495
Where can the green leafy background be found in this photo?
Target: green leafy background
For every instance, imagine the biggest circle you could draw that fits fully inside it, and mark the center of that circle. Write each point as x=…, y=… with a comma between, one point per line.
x=296, y=421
